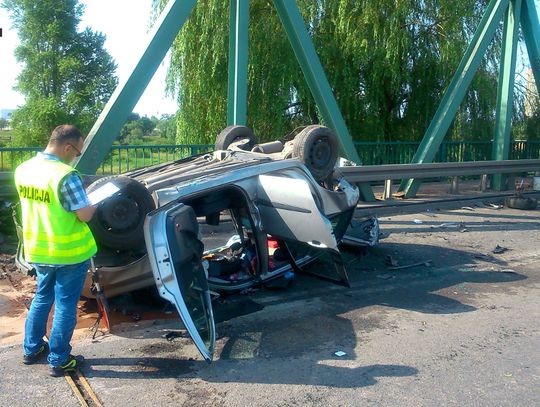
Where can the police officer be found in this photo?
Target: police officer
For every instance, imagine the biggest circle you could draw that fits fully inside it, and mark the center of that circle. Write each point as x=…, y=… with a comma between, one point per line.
x=58, y=243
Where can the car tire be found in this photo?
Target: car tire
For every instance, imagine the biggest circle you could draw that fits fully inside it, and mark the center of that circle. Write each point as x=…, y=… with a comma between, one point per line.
x=317, y=148
x=521, y=202
x=233, y=134
x=119, y=220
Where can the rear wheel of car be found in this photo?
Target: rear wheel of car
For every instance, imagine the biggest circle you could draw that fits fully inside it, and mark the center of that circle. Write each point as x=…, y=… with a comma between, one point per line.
x=317, y=148
x=119, y=220
x=233, y=134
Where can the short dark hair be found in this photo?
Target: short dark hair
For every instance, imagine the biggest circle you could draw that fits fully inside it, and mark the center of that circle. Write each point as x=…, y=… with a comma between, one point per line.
x=65, y=133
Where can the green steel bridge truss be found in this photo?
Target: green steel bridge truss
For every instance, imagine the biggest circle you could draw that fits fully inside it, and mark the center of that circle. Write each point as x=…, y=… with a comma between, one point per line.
x=513, y=12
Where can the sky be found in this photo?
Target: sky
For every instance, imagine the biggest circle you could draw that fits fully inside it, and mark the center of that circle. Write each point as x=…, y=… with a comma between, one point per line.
x=125, y=24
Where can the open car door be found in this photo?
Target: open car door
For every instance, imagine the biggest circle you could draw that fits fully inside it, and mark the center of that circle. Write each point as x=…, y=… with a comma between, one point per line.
x=175, y=253
x=288, y=211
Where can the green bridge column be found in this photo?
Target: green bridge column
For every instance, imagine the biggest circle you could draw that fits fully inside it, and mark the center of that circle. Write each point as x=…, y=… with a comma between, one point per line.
x=318, y=83
x=456, y=91
x=128, y=93
x=531, y=32
x=238, y=63
x=505, y=94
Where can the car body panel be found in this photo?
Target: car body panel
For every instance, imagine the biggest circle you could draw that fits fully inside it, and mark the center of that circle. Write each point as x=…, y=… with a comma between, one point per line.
x=288, y=211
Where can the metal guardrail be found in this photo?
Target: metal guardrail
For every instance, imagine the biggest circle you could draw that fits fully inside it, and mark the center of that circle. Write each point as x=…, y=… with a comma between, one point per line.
x=126, y=158
x=368, y=173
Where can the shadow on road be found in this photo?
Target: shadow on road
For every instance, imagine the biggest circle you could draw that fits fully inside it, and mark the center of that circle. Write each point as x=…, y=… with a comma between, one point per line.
x=291, y=337
x=238, y=371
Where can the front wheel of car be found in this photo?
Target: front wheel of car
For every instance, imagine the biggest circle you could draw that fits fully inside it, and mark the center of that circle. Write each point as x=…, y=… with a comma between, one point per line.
x=236, y=134
x=119, y=220
x=317, y=148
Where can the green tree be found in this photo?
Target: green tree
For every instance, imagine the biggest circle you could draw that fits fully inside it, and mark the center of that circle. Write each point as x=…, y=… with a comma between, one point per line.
x=67, y=75
x=136, y=129
x=388, y=62
x=166, y=128
x=3, y=123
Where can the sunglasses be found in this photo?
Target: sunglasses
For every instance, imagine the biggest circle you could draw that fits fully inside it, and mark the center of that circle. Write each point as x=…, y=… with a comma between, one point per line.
x=76, y=149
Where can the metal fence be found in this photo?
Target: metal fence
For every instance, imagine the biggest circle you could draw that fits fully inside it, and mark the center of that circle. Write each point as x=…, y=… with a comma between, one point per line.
x=120, y=158
x=125, y=158
x=375, y=153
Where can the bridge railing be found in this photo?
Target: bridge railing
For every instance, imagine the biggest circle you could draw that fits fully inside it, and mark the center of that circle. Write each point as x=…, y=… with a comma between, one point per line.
x=120, y=158
x=125, y=158
x=402, y=152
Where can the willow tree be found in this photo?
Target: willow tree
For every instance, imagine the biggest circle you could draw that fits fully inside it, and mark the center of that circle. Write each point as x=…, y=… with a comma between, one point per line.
x=388, y=62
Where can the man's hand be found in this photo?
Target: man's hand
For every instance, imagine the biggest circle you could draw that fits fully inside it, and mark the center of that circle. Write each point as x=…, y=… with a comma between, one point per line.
x=86, y=213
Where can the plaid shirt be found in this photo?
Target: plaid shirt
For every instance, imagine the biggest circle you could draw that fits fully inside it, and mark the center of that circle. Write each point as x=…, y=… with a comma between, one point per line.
x=72, y=192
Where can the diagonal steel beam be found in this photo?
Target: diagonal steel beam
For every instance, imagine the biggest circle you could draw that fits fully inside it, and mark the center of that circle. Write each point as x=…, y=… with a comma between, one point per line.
x=127, y=93
x=310, y=64
x=456, y=91
x=530, y=26
x=505, y=94
x=238, y=63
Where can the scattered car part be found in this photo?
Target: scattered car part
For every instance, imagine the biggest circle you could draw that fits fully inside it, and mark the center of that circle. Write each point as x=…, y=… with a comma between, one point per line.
x=521, y=202
x=362, y=233
x=102, y=303
x=500, y=249
x=426, y=263
x=518, y=201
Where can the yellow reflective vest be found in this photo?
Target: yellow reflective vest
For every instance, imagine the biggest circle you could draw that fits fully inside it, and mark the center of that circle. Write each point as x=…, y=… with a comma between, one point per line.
x=51, y=235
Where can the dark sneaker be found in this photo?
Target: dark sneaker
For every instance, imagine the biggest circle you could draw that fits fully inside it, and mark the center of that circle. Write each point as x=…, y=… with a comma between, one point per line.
x=34, y=357
x=70, y=365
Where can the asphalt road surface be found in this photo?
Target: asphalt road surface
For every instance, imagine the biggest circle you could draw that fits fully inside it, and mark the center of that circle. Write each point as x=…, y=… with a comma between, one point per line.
x=462, y=330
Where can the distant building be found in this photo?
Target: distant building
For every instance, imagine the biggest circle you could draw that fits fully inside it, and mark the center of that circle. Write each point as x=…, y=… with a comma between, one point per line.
x=6, y=113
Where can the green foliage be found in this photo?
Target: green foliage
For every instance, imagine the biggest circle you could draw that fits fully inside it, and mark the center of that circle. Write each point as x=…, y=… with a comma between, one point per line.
x=388, y=62
x=3, y=123
x=165, y=130
x=33, y=122
x=144, y=130
x=67, y=76
x=5, y=137
x=532, y=127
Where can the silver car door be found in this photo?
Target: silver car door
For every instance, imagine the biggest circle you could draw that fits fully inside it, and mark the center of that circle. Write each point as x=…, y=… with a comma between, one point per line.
x=288, y=211
x=175, y=252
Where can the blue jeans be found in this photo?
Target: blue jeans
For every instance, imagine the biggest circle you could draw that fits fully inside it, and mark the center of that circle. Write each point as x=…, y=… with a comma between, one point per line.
x=61, y=285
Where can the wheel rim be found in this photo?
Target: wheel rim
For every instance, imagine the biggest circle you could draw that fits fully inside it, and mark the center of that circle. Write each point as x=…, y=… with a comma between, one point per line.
x=320, y=153
x=120, y=214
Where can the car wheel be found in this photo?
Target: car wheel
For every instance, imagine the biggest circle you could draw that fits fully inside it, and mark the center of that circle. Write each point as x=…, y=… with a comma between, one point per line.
x=317, y=148
x=233, y=134
x=119, y=220
x=520, y=202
